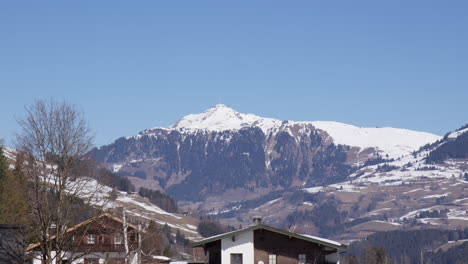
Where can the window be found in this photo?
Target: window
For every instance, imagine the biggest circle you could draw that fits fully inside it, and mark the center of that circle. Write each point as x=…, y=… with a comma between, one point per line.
x=271, y=259
x=118, y=239
x=302, y=258
x=91, y=239
x=236, y=258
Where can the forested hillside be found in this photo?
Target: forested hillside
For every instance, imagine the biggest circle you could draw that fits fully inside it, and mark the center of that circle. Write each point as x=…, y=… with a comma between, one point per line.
x=412, y=247
x=451, y=148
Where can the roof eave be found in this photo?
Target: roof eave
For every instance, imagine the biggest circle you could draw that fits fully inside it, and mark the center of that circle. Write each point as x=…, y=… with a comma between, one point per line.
x=341, y=247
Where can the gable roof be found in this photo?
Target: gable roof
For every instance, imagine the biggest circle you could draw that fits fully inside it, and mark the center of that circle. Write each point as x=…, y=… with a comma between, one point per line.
x=84, y=224
x=309, y=238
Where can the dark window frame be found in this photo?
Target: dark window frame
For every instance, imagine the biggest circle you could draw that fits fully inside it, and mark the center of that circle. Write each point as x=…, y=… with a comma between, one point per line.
x=237, y=258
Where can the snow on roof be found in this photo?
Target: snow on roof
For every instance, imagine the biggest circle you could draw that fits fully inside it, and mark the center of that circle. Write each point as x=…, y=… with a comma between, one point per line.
x=323, y=240
x=224, y=234
x=309, y=238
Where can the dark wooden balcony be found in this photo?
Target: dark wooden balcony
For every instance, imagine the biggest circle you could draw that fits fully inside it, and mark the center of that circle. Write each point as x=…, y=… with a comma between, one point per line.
x=98, y=248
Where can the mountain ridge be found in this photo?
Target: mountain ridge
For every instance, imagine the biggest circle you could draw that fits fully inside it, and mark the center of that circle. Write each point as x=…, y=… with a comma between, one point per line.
x=221, y=150
x=221, y=118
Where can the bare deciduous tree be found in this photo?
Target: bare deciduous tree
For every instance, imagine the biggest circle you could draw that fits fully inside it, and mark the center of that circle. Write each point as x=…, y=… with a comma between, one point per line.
x=54, y=138
x=12, y=244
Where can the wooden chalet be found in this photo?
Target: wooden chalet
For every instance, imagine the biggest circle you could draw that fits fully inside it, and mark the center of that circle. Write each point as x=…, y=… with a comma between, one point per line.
x=94, y=241
x=262, y=244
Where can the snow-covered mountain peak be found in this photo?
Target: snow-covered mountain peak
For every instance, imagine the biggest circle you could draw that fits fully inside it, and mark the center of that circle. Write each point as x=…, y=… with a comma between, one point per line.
x=221, y=117
x=393, y=142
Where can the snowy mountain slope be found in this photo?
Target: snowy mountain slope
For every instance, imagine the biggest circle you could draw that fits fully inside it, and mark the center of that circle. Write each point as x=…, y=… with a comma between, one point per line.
x=10, y=155
x=458, y=133
x=99, y=195
x=393, y=142
x=220, y=149
x=417, y=166
x=136, y=206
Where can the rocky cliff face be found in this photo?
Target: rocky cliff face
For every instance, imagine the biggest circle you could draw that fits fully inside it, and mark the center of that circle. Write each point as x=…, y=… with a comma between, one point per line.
x=220, y=150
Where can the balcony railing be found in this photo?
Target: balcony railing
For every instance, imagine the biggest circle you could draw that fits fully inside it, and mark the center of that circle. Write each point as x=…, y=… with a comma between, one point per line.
x=98, y=248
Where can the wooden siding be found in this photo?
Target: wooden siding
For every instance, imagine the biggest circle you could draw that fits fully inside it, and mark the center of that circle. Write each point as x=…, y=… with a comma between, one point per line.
x=104, y=229
x=214, y=252
x=286, y=249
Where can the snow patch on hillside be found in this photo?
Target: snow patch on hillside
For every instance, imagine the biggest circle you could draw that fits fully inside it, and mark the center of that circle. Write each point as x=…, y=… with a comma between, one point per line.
x=184, y=227
x=458, y=133
x=9, y=153
x=148, y=207
x=314, y=189
x=116, y=168
x=435, y=196
x=395, y=142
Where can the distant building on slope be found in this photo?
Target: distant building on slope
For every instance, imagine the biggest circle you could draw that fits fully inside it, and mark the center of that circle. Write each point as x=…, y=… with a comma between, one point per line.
x=262, y=244
x=95, y=241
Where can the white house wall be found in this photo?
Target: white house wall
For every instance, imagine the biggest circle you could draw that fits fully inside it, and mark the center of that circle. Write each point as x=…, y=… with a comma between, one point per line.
x=242, y=244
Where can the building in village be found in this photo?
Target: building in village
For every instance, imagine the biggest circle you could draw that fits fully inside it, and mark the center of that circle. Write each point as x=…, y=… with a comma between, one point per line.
x=98, y=240
x=262, y=244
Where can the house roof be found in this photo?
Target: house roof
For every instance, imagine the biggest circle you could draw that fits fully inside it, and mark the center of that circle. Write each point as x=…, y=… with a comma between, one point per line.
x=84, y=224
x=318, y=240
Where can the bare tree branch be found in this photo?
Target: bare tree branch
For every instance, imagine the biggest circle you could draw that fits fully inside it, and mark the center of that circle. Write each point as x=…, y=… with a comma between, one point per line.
x=55, y=138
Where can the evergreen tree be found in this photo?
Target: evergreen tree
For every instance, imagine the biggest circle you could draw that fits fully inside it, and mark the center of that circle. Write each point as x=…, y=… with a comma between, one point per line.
x=3, y=165
x=3, y=176
x=14, y=210
x=381, y=255
x=180, y=239
x=13, y=188
x=160, y=199
x=209, y=228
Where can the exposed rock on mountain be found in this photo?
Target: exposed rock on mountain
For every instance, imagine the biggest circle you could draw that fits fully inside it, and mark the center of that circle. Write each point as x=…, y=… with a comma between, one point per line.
x=221, y=150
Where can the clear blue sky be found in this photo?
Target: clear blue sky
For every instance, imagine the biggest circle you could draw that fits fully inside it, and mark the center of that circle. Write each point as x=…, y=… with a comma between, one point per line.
x=131, y=65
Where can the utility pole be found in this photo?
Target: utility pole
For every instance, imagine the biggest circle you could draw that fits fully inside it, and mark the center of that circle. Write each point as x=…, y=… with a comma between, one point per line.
x=139, y=243
x=127, y=255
